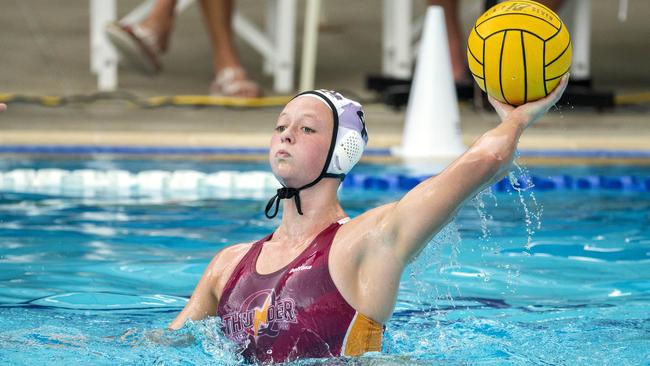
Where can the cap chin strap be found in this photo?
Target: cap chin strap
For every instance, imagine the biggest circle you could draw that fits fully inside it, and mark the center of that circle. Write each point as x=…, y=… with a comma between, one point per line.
x=288, y=192
x=283, y=193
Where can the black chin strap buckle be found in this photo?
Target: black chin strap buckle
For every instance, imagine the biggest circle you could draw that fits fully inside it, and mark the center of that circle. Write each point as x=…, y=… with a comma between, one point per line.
x=283, y=193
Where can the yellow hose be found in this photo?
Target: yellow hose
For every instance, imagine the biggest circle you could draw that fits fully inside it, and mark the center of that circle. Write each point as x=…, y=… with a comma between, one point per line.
x=206, y=100
x=153, y=102
x=632, y=99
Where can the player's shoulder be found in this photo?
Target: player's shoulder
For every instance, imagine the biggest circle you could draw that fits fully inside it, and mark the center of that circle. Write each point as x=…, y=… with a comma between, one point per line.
x=224, y=263
x=367, y=225
x=231, y=253
x=359, y=235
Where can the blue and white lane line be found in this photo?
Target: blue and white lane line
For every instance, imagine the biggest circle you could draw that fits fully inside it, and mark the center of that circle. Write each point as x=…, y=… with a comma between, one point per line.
x=255, y=184
x=252, y=151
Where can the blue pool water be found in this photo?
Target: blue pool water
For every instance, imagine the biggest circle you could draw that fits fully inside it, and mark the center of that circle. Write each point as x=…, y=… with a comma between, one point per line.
x=553, y=277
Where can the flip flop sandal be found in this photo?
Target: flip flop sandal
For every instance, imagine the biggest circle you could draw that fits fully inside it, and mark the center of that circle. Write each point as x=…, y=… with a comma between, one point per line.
x=232, y=82
x=137, y=44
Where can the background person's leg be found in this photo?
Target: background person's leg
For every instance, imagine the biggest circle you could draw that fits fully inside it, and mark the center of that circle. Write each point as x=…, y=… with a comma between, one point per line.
x=144, y=42
x=454, y=38
x=160, y=21
x=552, y=4
x=230, y=76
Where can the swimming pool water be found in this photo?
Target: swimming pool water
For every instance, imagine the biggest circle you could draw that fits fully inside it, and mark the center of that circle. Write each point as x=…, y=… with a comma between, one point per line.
x=557, y=277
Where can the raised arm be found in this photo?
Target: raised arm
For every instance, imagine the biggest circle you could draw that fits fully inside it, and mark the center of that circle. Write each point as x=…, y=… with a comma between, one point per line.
x=412, y=221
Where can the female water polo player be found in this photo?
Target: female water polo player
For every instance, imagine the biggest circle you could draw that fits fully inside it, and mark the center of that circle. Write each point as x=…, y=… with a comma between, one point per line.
x=321, y=284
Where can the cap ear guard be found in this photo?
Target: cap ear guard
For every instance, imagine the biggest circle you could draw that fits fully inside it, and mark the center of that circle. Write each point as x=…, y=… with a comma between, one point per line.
x=347, y=152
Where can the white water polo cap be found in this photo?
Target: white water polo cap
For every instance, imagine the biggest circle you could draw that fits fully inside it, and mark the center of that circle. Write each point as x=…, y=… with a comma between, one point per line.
x=349, y=139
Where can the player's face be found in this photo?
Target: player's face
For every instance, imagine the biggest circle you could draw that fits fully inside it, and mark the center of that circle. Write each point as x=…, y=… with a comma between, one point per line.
x=301, y=141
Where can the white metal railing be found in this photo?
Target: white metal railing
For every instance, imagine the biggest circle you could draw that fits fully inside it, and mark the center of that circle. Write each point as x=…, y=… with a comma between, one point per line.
x=275, y=43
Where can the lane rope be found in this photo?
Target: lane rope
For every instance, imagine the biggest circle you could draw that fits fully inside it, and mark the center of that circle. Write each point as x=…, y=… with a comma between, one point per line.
x=258, y=184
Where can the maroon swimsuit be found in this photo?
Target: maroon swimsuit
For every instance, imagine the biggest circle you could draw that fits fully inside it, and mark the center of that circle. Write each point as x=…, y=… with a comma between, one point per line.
x=294, y=312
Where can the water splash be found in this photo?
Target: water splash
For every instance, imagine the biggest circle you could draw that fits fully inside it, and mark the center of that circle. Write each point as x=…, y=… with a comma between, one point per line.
x=480, y=204
x=557, y=107
x=205, y=335
x=487, y=245
x=208, y=333
x=440, y=255
x=522, y=183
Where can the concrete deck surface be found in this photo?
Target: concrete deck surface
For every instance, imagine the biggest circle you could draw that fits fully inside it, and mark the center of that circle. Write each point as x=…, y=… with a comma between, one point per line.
x=44, y=50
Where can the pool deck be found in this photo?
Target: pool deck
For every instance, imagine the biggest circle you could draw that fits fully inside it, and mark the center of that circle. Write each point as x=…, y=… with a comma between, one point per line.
x=44, y=51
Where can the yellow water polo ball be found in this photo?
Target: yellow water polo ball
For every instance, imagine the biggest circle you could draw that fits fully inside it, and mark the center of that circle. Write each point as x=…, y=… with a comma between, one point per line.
x=518, y=51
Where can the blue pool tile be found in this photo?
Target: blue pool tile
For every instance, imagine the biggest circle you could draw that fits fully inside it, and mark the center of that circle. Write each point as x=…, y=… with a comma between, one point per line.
x=407, y=183
x=588, y=182
x=378, y=183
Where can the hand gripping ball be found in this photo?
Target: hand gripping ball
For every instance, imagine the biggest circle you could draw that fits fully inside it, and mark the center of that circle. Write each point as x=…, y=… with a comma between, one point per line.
x=518, y=51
